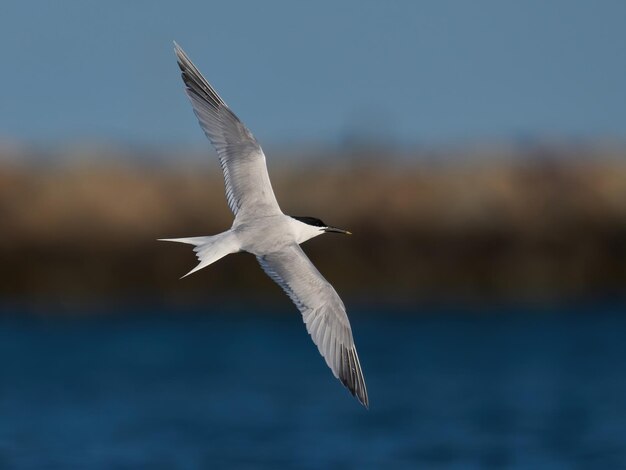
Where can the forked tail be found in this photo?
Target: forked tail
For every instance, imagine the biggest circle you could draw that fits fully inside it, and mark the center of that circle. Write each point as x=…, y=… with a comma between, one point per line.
x=209, y=249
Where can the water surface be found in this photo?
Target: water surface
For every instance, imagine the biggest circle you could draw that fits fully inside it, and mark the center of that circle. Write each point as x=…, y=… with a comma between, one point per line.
x=169, y=389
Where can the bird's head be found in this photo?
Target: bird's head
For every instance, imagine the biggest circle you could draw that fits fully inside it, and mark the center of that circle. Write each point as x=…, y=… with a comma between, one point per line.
x=310, y=227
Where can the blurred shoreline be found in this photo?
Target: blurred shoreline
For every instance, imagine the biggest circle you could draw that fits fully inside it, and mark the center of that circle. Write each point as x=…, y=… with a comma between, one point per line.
x=545, y=224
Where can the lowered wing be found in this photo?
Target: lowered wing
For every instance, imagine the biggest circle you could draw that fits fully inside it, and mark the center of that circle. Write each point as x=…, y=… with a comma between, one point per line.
x=323, y=313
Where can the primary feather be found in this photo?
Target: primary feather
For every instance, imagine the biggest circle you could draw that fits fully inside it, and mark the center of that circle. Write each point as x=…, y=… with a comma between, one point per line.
x=248, y=186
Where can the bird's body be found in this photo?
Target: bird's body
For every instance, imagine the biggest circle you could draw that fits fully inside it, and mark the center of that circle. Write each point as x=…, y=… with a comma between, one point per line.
x=263, y=235
x=261, y=228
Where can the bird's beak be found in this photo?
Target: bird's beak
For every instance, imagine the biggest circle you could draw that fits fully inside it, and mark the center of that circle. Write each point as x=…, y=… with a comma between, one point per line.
x=337, y=230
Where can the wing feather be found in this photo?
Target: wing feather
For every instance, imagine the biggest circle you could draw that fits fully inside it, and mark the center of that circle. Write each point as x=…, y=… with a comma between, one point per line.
x=248, y=186
x=323, y=312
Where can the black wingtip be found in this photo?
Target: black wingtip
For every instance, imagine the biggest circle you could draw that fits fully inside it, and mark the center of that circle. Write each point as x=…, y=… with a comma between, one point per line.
x=351, y=376
x=363, y=400
x=180, y=54
x=359, y=394
x=195, y=83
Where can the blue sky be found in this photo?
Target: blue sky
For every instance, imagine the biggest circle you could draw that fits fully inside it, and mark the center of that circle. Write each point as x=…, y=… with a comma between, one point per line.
x=410, y=72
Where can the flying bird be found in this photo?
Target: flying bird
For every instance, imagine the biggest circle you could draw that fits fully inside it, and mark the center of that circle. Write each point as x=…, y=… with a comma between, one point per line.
x=261, y=228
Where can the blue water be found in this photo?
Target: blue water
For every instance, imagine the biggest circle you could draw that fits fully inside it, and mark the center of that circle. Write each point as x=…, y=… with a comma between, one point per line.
x=175, y=389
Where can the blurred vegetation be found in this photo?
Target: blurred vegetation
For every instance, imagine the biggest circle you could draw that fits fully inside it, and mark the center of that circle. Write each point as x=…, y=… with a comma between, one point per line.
x=546, y=224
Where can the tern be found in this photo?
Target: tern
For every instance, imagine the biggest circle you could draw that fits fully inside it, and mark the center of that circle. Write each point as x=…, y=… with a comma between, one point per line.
x=261, y=228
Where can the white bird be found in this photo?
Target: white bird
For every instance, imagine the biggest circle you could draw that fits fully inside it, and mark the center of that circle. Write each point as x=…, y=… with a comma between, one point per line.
x=261, y=228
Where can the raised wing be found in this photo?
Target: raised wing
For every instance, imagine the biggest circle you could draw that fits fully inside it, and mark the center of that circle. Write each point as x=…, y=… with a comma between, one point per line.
x=323, y=313
x=248, y=186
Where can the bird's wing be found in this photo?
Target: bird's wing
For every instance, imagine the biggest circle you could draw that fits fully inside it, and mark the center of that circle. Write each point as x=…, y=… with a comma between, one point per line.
x=323, y=312
x=248, y=186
